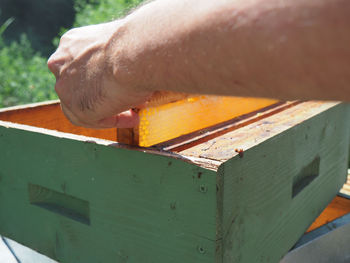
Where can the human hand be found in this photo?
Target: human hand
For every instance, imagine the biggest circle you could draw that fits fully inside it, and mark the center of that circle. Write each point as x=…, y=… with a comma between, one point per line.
x=93, y=81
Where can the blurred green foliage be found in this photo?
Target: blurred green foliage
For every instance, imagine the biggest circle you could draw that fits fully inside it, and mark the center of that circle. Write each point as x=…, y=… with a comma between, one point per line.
x=102, y=11
x=24, y=76
x=89, y=12
x=39, y=20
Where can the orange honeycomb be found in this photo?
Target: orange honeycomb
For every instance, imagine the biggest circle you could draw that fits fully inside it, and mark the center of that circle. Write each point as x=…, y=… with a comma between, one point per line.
x=164, y=122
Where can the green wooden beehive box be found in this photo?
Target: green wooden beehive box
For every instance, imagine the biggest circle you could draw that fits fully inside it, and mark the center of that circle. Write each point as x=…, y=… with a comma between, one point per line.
x=201, y=199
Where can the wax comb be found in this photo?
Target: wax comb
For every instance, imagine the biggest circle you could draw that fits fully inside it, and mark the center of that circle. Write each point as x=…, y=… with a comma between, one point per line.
x=169, y=115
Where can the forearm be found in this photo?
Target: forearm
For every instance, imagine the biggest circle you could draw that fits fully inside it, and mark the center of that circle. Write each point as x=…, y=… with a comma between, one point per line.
x=265, y=48
x=296, y=49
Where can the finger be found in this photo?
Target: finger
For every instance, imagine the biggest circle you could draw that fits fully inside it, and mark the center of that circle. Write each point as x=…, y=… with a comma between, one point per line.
x=71, y=116
x=78, y=122
x=126, y=119
x=55, y=65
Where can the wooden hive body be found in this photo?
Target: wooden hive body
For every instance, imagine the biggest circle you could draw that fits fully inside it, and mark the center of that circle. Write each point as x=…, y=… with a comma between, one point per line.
x=84, y=199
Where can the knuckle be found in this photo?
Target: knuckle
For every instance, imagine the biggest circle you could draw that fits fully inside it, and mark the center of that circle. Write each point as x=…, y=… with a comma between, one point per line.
x=65, y=35
x=58, y=88
x=70, y=117
x=64, y=38
x=68, y=34
x=55, y=63
x=52, y=65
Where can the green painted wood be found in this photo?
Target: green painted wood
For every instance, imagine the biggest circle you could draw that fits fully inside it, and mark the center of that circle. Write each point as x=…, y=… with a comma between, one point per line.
x=140, y=207
x=60, y=203
x=272, y=194
x=77, y=201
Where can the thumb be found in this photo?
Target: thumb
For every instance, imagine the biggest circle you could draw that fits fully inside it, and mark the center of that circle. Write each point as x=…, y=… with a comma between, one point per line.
x=126, y=119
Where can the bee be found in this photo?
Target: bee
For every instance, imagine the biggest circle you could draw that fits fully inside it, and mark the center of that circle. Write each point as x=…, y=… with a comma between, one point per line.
x=240, y=152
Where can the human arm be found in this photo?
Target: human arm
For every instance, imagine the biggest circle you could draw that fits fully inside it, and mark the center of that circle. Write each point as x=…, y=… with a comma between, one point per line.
x=264, y=48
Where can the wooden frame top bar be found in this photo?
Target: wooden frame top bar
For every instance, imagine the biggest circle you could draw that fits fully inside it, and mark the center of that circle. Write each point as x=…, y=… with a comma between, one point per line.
x=223, y=147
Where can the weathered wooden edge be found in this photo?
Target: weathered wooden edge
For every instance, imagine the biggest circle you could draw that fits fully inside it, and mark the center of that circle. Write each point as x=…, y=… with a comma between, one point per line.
x=50, y=116
x=190, y=140
x=54, y=133
x=222, y=148
x=346, y=187
x=127, y=136
x=202, y=162
x=219, y=257
x=29, y=106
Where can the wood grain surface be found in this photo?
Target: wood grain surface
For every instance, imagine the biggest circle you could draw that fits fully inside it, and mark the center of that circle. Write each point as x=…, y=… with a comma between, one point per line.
x=208, y=203
x=346, y=188
x=262, y=217
x=222, y=148
x=142, y=207
x=339, y=207
x=49, y=115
